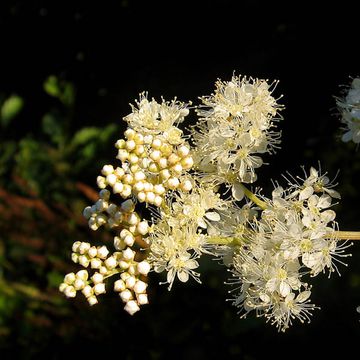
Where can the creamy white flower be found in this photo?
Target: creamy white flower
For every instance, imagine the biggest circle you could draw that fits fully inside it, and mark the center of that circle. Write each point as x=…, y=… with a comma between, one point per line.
x=349, y=108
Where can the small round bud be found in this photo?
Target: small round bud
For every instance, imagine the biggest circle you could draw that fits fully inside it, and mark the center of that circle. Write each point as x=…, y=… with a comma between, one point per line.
x=100, y=180
x=97, y=278
x=104, y=194
x=118, y=217
x=118, y=188
x=127, y=206
x=126, y=191
x=131, y=307
x=130, y=133
x=95, y=263
x=159, y=189
x=99, y=289
x=70, y=292
x=128, y=179
x=142, y=227
x=130, y=282
x=84, y=261
x=79, y=284
x=129, y=240
x=84, y=247
x=102, y=252
x=119, y=172
x=131, y=270
x=139, y=186
x=101, y=205
x=139, y=138
x=122, y=155
x=158, y=200
x=92, y=252
x=145, y=163
x=148, y=139
x=186, y=185
x=187, y=162
x=126, y=295
x=173, y=183
x=142, y=299
x=101, y=219
x=82, y=274
x=177, y=168
x=153, y=168
x=111, y=210
x=173, y=159
x=87, y=291
x=75, y=257
x=119, y=244
x=139, y=176
x=150, y=197
x=183, y=151
x=156, y=144
x=165, y=174
x=103, y=270
x=128, y=254
x=166, y=149
x=87, y=213
x=143, y=267
x=107, y=170
x=140, y=287
x=124, y=264
x=119, y=285
x=120, y=144
x=133, y=219
x=110, y=262
x=141, y=196
x=111, y=179
x=130, y=145
x=133, y=159
x=76, y=245
x=92, y=300
x=62, y=287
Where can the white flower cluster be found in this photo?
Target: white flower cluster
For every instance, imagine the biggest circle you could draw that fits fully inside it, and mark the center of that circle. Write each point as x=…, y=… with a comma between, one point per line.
x=270, y=245
x=349, y=108
x=294, y=237
x=237, y=123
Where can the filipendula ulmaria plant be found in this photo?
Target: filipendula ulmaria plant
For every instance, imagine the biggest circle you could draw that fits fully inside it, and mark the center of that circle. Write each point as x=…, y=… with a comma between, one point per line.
x=196, y=188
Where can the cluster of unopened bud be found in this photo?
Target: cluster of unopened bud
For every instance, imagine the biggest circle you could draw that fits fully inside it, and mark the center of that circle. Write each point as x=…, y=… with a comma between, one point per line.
x=104, y=212
x=132, y=285
x=150, y=167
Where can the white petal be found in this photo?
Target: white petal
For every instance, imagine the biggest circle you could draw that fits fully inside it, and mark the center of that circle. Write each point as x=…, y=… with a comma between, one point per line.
x=192, y=264
x=284, y=288
x=271, y=285
x=333, y=193
x=213, y=216
x=183, y=276
x=312, y=260
x=237, y=191
x=306, y=193
x=324, y=202
x=303, y=296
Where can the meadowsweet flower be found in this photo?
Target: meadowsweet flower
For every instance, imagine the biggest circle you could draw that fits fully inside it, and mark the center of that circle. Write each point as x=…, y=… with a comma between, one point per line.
x=236, y=125
x=349, y=107
x=152, y=118
x=294, y=236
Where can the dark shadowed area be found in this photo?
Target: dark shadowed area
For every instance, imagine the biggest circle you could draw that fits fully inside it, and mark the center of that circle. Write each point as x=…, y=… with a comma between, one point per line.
x=68, y=70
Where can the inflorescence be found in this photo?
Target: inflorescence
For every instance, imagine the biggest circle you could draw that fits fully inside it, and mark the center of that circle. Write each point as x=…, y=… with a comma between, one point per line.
x=194, y=186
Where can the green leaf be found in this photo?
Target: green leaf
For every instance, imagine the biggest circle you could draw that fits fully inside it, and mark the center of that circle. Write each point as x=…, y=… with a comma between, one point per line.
x=53, y=127
x=10, y=108
x=68, y=95
x=54, y=279
x=85, y=135
x=51, y=86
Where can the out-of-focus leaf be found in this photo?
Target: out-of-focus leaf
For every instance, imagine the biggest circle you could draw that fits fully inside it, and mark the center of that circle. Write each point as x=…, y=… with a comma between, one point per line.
x=108, y=132
x=10, y=108
x=84, y=135
x=7, y=151
x=54, y=279
x=68, y=94
x=51, y=86
x=53, y=127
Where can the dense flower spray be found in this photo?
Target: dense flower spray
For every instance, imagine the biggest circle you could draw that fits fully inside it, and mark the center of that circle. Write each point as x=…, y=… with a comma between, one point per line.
x=272, y=246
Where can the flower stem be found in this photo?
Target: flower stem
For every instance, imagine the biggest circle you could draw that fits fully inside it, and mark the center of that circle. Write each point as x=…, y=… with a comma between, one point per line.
x=347, y=235
x=250, y=195
x=220, y=240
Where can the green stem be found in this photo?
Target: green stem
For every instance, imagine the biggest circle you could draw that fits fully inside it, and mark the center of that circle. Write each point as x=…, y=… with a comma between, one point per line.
x=220, y=240
x=250, y=195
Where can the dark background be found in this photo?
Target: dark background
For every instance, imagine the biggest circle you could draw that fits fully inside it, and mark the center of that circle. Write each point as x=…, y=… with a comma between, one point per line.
x=112, y=50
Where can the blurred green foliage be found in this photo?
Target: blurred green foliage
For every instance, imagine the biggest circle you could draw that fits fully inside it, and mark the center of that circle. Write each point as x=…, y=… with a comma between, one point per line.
x=41, y=200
